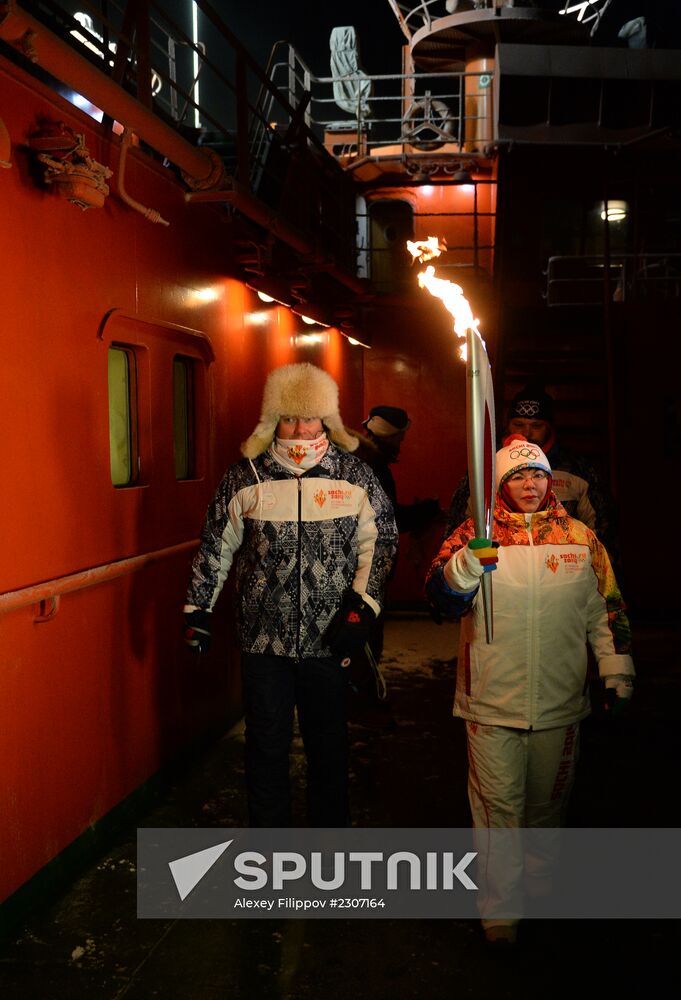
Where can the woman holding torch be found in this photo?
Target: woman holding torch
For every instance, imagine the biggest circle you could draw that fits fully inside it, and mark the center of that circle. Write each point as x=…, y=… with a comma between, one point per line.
x=523, y=694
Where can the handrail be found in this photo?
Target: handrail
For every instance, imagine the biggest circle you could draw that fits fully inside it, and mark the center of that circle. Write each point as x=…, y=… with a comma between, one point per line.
x=443, y=112
x=12, y=600
x=63, y=61
x=635, y=274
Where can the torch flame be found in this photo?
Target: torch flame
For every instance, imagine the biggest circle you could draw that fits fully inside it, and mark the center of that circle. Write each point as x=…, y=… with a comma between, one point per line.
x=480, y=422
x=451, y=295
x=424, y=250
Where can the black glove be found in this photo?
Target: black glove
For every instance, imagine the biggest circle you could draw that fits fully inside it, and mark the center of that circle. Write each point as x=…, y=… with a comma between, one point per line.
x=619, y=689
x=349, y=629
x=616, y=708
x=197, y=630
x=435, y=613
x=428, y=508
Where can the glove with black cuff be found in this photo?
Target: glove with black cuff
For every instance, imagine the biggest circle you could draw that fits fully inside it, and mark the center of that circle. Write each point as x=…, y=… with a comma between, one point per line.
x=619, y=689
x=349, y=628
x=197, y=625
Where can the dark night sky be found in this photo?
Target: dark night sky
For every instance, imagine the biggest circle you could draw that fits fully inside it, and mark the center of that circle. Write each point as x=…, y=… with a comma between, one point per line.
x=307, y=25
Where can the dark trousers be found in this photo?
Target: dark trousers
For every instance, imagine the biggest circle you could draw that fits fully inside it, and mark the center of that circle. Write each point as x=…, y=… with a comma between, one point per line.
x=272, y=687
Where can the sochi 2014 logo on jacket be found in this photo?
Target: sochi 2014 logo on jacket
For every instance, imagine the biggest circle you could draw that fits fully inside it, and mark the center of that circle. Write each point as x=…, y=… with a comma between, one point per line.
x=320, y=498
x=552, y=563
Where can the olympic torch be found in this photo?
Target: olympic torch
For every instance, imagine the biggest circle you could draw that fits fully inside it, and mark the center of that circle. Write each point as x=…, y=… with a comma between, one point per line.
x=480, y=438
x=480, y=418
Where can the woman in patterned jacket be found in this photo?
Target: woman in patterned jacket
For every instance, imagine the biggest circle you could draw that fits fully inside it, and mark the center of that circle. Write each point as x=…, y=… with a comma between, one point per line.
x=312, y=537
x=523, y=695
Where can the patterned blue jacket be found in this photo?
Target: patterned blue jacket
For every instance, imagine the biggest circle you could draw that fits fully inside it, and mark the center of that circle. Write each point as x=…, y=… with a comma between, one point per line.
x=298, y=543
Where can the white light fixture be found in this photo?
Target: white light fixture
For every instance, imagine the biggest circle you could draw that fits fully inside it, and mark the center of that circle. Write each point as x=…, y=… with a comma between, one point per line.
x=353, y=341
x=314, y=320
x=279, y=298
x=616, y=211
x=587, y=10
x=86, y=21
x=195, y=62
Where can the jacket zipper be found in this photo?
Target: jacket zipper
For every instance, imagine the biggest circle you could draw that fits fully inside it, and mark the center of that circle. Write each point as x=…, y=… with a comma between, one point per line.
x=300, y=563
x=533, y=615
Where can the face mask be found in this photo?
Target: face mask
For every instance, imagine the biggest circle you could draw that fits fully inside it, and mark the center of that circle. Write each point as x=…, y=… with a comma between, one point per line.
x=298, y=456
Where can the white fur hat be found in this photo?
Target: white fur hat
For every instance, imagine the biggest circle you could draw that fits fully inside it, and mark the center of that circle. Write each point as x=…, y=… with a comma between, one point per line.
x=301, y=390
x=519, y=453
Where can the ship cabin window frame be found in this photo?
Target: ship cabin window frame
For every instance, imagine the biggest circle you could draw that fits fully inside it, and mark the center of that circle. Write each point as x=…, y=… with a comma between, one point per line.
x=123, y=406
x=184, y=394
x=390, y=223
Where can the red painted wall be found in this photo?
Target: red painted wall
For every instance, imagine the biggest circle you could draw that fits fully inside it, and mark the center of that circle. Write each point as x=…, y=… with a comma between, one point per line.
x=94, y=701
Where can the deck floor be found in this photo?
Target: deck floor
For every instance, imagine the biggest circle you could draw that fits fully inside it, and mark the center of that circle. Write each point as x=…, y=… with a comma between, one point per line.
x=408, y=769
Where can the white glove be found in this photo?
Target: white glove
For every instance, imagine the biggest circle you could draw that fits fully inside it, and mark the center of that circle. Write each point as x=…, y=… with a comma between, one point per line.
x=464, y=569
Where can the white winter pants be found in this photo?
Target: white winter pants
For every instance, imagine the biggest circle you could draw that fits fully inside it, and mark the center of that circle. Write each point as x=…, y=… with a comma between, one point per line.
x=517, y=780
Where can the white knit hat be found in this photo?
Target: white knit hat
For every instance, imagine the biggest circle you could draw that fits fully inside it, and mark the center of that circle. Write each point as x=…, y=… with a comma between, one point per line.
x=519, y=453
x=301, y=390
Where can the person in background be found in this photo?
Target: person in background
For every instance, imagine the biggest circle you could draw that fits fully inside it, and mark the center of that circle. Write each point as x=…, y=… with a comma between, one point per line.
x=524, y=694
x=312, y=537
x=386, y=427
x=575, y=482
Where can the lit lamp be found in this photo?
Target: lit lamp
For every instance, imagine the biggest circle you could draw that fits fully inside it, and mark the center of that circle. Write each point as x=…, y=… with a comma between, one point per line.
x=353, y=340
x=614, y=211
x=311, y=314
x=270, y=290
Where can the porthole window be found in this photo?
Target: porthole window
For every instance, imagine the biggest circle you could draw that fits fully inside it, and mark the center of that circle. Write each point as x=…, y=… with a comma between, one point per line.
x=183, y=417
x=122, y=416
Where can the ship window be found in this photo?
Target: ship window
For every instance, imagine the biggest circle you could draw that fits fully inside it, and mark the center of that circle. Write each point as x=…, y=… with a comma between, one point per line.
x=183, y=417
x=122, y=423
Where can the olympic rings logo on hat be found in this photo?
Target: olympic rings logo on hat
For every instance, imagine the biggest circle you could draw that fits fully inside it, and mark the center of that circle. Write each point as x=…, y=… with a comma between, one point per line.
x=527, y=407
x=531, y=453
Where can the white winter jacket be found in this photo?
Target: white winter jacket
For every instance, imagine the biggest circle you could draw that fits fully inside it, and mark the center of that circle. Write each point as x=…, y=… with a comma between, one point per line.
x=553, y=590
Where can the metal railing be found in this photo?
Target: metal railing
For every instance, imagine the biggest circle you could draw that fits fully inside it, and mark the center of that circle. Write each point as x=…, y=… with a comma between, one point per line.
x=575, y=280
x=413, y=15
x=218, y=96
x=439, y=108
x=51, y=590
x=213, y=93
